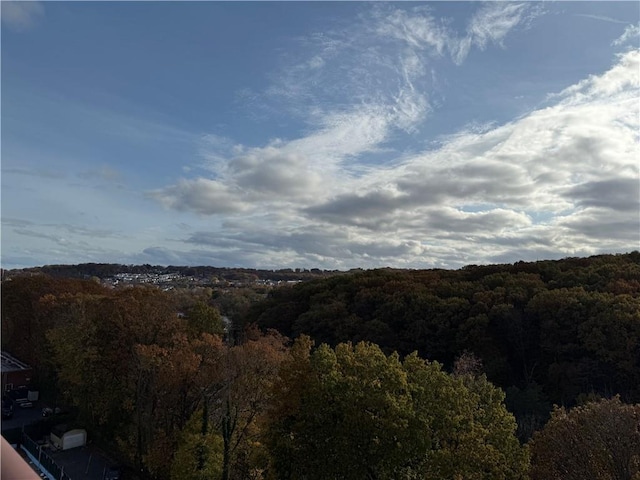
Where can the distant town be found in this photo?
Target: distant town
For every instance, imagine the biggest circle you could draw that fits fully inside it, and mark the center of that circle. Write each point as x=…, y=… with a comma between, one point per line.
x=169, y=281
x=168, y=278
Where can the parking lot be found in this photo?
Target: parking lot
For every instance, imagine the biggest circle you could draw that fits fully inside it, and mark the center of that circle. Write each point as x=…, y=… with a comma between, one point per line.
x=22, y=416
x=81, y=463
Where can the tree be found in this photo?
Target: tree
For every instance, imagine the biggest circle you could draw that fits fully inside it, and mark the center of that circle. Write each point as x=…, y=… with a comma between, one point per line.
x=471, y=433
x=203, y=318
x=355, y=413
x=24, y=320
x=120, y=357
x=249, y=370
x=483, y=445
x=599, y=441
x=199, y=453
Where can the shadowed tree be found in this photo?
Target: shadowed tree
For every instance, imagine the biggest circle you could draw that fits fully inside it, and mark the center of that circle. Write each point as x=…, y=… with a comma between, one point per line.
x=599, y=441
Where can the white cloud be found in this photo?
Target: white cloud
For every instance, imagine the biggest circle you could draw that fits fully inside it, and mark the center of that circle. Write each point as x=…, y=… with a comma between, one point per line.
x=272, y=172
x=574, y=162
x=385, y=86
x=20, y=16
x=562, y=180
x=298, y=171
x=623, y=77
x=199, y=195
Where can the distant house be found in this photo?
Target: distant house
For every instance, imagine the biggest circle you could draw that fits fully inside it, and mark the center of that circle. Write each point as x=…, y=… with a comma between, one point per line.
x=15, y=374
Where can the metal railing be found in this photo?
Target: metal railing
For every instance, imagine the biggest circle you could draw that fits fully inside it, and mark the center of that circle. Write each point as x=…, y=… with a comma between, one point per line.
x=42, y=459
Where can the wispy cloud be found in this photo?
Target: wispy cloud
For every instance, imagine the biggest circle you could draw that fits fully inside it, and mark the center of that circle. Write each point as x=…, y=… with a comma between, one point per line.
x=602, y=18
x=64, y=227
x=33, y=172
x=19, y=16
x=104, y=173
x=630, y=33
x=422, y=31
x=65, y=243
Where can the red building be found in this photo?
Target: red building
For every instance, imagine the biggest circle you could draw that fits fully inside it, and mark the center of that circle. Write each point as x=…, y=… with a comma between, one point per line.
x=15, y=374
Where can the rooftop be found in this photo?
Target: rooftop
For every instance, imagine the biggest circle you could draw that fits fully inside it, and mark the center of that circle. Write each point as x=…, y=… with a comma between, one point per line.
x=12, y=364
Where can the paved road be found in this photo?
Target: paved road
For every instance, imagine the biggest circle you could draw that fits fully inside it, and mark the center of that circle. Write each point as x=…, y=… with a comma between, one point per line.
x=22, y=416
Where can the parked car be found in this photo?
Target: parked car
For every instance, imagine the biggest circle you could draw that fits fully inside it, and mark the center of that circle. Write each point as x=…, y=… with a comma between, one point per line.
x=48, y=411
x=113, y=473
x=7, y=408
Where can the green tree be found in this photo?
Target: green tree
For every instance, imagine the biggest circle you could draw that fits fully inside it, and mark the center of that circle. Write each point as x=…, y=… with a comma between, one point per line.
x=356, y=413
x=470, y=433
x=203, y=318
x=199, y=452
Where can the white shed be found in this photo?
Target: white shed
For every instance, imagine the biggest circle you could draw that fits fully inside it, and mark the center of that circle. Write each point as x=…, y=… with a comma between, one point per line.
x=69, y=439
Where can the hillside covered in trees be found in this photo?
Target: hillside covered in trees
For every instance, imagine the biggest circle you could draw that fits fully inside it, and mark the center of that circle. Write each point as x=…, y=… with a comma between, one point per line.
x=380, y=374
x=106, y=270
x=546, y=332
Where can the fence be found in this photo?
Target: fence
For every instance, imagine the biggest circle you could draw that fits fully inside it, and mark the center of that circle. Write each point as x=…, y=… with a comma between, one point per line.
x=42, y=459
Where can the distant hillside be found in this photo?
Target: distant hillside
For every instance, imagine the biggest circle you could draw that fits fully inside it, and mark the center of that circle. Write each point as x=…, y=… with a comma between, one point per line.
x=546, y=332
x=106, y=270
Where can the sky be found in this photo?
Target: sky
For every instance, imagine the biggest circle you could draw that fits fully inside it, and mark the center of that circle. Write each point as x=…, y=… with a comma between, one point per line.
x=329, y=135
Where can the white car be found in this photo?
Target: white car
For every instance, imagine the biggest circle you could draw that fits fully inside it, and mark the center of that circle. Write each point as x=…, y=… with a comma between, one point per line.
x=47, y=411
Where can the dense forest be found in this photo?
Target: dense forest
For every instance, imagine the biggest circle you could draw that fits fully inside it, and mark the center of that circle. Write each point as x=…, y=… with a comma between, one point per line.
x=549, y=332
x=382, y=374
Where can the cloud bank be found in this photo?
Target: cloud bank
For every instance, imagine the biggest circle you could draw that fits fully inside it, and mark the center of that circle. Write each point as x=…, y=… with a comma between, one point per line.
x=561, y=180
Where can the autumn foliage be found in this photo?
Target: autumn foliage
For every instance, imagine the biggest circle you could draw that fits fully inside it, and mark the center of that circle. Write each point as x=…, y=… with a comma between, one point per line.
x=599, y=440
x=348, y=393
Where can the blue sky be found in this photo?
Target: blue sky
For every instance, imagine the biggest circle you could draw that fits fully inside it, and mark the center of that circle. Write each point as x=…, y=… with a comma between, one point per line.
x=324, y=134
